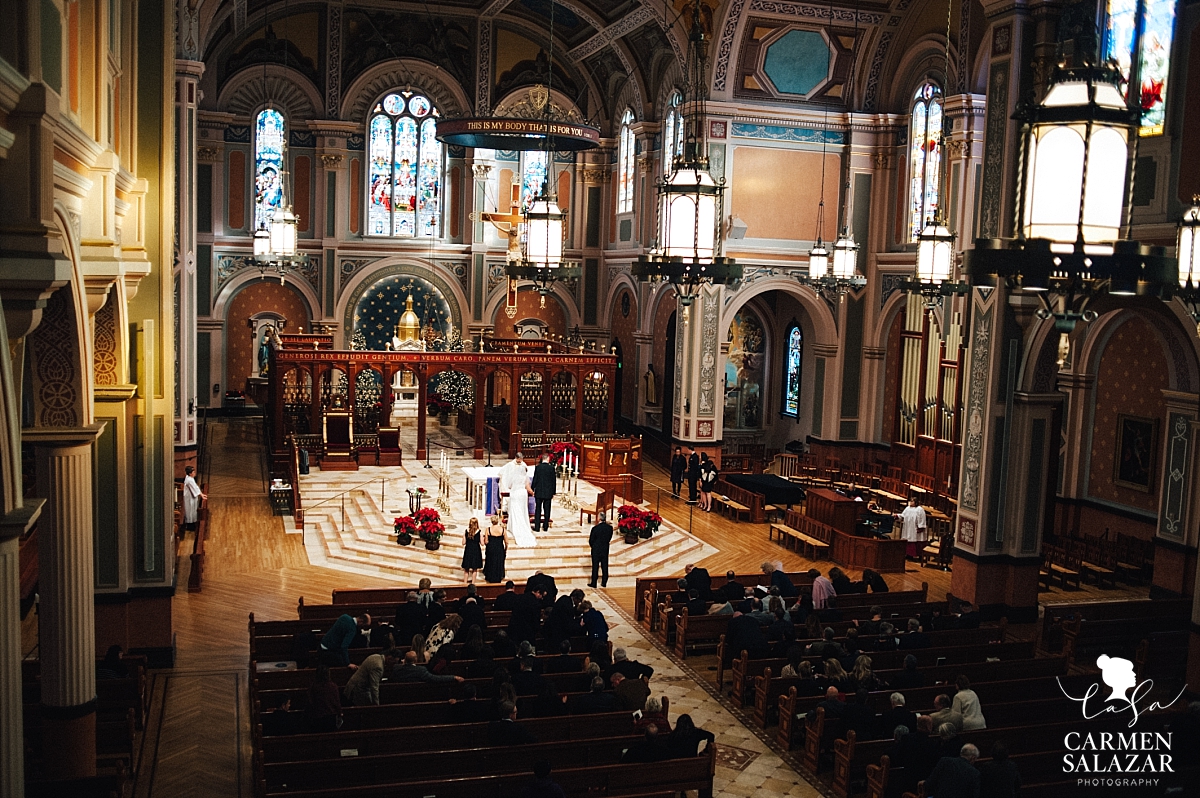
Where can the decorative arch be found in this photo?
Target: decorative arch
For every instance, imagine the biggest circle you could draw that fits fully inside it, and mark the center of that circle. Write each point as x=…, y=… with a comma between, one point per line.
x=557, y=291
x=245, y=94
x=510, y=103
x=369, y=87
x=619, y=282
x=824, y=326
x=1177, y=341
x=353, y=292
x=922, y=60
x=312, y=302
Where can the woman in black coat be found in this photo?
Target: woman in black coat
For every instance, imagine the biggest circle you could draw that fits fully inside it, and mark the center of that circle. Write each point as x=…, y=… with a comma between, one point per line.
x=678, y=471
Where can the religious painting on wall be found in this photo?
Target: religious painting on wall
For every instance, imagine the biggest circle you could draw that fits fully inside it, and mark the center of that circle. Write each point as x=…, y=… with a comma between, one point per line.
x=1136, y=437
x=744, y=371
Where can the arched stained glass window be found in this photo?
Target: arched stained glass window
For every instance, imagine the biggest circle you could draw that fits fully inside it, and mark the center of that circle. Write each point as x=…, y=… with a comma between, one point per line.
x=269, y=132
x=404, y=184
x=625, y=166
x=925, y=157
x=533, y=176
x=672, y=132
x=791, y=383
x=1157, y=29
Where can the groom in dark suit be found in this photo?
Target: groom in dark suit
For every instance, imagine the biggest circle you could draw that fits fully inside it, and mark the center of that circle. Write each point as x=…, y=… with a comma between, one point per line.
x=545, y=483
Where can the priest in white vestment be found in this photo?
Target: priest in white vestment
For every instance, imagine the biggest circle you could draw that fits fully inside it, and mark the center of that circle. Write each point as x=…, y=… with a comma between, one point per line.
x=913, y=527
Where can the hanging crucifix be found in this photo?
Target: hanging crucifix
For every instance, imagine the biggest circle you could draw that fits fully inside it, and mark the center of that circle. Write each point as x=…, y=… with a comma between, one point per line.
x=512, y=221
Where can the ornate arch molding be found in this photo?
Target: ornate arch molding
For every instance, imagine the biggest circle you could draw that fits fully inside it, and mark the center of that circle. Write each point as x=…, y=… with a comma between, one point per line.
x=924, y=58
x=621, y=282
x=557, y=292
x=824, y=326
x=245, y=93
x=1176, y=339
x=511, y=104
x=660, y=293
x=395, y=73
x=308, y=295
x=411, y=267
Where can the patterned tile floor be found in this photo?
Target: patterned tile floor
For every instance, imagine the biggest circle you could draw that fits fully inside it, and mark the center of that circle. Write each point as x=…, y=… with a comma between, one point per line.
x=746, y=764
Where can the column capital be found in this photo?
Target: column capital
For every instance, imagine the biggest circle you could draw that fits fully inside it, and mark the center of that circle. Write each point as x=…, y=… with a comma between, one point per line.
x=186, y=68
x=17, y=521
x=63, y=436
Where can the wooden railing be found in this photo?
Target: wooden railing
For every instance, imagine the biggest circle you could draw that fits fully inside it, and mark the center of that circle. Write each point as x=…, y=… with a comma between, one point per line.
x=197, y=556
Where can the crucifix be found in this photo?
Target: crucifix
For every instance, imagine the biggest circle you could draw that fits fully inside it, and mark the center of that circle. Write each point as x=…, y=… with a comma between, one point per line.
x=513, y=220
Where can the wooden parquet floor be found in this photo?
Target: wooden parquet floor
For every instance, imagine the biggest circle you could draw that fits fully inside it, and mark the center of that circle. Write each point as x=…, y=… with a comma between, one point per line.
x=198, y=737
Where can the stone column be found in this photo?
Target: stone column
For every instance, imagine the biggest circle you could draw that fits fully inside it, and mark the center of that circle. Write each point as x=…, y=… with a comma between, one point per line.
x=12, y=735
x=67, y=636
x=697, y=416
x=187, y=98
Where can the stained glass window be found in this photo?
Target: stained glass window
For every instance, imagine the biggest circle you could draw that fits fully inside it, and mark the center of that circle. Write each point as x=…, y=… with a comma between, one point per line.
x=1157, y=29
x=533, y=176
x=405, y=167
x=672, y=132
x=925, y=157
x=791, y=385
x=268, y=165
x=625, y=160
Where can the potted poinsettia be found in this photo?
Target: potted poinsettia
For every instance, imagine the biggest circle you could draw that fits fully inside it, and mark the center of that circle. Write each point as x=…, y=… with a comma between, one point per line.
x=631, y=522
x=429, y=527
x=405, y=528
x=652, y=521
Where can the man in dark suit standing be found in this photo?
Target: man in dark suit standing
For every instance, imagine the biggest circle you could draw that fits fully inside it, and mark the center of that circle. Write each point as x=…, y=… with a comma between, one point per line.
x=693, y=475
x=598, y=540
x=545, y=484
x=698, y=578
x=526, y=617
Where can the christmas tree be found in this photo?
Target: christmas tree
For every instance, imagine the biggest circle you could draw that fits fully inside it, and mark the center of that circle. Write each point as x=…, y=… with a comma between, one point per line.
x=456, y=388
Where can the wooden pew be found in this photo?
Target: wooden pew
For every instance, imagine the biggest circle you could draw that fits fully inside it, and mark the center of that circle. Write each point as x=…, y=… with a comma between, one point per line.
x=695, y=773
x=661, y=586
x=768, y=688
x=370, y=740
x=396, y=595
x=1083, y=638
x=739, y=501
x=1056, y=614
x=273, y=692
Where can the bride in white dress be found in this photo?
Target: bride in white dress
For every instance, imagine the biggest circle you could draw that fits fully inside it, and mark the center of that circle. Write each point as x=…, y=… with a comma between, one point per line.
x=516, y=480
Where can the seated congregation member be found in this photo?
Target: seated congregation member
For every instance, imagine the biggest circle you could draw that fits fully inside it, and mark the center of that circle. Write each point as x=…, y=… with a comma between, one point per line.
x=680, y=597
x=897, y=715
x=967, y=702
x=508, y=599
x=548, y=703
x=914, y=638
x=949, y=742
x=836, y=676
x=113, y=665
x=472, y=643
x=851, y=649
x=425, y=591
x=483, y=665
x=802, y=610
x=863, y=677
x=833, y=705
x=909, y=678
x=698, y=579
x=409, y=618
x=886, y=640
x=442, y=633
x=733, y=589
x=779, y=579
x=795, y=660
x=651, y=748
x=470, y=708
x=696, y=605
x=470, y=609
x=871, y=626
x=334, y=648
x=807, y=684
x=564, y=662
x=435, y=611
x=907, y=762
x=594, y=701
x=595, y=628
x=841, y=583
x=543, y=786
x=826, y=647
x=781, y=630
x=598, y=655
x=685, y=741
x=945, y=713
x=813, y=630
x=504, y=647
x=281, y=720
x=525, y=680
x=968, y=616
x=873, y=582
x=363, y=688
x=745, y=634
x=410, y=671
x=631, y=669
x=860, y=715
x=324, y=703
x=955, y=776
x=506, y=730
x=653, y=713
x=722, y=608
x=822, y=590
x=1000, y=777
x=564, y=617
x=631, y=693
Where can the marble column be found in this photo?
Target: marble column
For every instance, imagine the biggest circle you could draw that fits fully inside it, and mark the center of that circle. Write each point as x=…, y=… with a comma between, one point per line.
x=67, y=637
x=12, y=735
x=187, y=99
x=697, y=416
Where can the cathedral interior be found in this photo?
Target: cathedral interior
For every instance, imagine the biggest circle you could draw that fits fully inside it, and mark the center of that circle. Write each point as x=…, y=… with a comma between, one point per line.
x=983, y=328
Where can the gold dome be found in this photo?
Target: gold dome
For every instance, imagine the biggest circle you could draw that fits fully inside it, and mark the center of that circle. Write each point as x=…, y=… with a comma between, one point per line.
x=409, y=326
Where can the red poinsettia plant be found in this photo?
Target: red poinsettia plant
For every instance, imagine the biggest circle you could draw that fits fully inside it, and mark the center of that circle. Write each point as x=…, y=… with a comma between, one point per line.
x=631, y=519
x=558, y=450
x=429, y=524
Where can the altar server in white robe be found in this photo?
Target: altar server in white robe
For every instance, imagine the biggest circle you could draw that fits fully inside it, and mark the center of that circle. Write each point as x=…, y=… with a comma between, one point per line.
x=913, y=526
x=191, y=498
